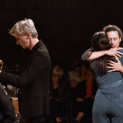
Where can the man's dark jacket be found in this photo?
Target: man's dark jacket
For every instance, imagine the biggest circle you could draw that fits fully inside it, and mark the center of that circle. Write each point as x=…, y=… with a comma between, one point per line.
x=33, y=82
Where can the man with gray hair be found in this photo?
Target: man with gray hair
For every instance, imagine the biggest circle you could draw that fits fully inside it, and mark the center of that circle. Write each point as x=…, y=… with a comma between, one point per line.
x=33, y=80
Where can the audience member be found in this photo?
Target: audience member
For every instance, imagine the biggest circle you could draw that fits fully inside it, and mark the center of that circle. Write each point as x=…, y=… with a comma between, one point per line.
x=85, y=93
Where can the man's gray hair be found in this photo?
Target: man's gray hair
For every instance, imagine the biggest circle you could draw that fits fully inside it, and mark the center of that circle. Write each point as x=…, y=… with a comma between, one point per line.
x=24, y=26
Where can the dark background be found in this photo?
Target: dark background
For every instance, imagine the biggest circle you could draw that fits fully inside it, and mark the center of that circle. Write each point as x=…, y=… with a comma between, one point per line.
x=66, y=26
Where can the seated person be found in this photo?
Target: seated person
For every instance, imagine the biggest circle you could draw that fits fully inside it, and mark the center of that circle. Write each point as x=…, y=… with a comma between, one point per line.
x=85, y=93
x=7, y=114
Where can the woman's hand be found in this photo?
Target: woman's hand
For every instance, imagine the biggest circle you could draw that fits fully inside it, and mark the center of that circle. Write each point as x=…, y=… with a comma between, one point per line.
x=115, y=66
x=114, y=52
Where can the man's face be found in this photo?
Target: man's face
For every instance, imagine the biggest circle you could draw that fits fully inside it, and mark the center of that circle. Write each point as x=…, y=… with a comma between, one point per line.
x=23, y=41
x=114, y=39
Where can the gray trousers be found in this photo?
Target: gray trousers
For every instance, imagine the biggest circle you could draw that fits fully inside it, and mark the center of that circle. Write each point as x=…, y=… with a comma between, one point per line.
x=105, y=111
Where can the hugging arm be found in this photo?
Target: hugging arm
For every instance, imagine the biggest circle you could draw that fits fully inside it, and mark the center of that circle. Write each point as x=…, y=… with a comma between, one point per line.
x=86, y=55
x=90, y=54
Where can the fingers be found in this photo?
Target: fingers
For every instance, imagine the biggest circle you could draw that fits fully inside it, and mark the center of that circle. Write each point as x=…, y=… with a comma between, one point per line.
x=119, y=48
x=119, y=53
x=115, y=52
x=109, y=67
x=111, y=70
x=113, y=66
x=117, y=59
x=111, y=62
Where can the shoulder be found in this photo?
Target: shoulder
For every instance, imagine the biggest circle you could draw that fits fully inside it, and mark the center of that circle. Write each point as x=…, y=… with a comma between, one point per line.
x=121, y=50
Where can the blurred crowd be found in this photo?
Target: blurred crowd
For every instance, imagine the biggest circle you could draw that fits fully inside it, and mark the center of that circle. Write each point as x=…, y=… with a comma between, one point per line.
x=71, y=93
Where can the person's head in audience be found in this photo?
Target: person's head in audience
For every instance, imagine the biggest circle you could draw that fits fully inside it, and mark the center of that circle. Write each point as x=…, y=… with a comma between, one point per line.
x=75, y=63
x=57, y=73
x=77, y=70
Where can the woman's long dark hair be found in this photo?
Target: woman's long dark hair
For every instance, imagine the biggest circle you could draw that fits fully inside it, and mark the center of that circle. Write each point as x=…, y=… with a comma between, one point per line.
x=100, y=42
